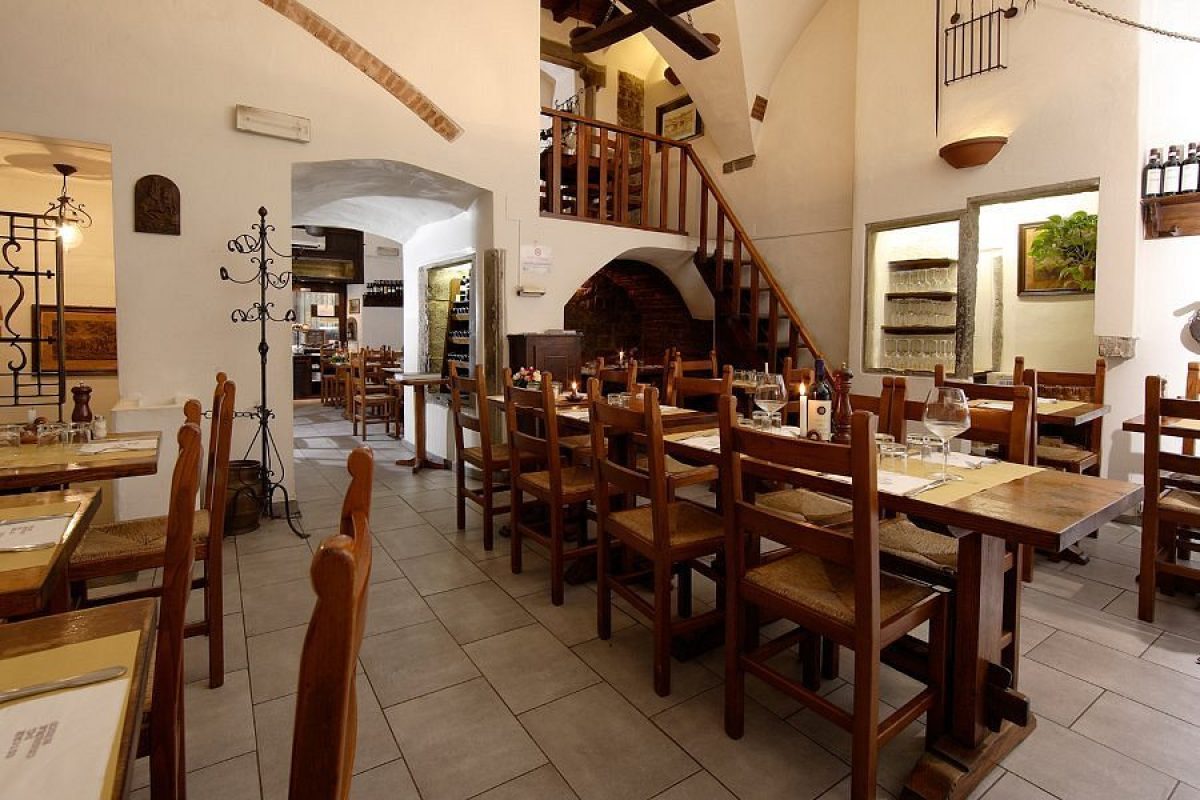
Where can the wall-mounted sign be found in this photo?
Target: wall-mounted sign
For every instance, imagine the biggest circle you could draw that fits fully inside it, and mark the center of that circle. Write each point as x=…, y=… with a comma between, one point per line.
x=536, y=263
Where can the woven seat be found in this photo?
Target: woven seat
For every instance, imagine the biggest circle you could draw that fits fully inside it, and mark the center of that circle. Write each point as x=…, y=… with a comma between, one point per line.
x=575, y=481
x=828, y=589
x=500, y=456
x=581, y=442
x=809, y=506
x=689, y=524
x=137, y=538
x=1051, y=454
x=903, y=539
x=1179, y=500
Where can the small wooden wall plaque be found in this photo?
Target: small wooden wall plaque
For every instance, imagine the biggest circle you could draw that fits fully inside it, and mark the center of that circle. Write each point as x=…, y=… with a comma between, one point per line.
x=156, y=205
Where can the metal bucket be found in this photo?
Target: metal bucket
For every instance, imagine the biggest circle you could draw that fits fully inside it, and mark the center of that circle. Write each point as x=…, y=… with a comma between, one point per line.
x=243, y=503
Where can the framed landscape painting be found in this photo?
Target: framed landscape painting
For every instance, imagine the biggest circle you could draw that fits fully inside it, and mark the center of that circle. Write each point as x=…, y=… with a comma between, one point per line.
x=90, y=339
x=679, y=120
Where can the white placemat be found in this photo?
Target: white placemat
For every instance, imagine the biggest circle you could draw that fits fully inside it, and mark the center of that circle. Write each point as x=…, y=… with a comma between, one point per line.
x=33, y=534
x=58, y=745
x=117, y=445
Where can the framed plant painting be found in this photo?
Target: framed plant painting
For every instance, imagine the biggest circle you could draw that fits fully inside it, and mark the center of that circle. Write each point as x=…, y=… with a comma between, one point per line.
x=1062, y=263
x=679, y=120
x=90, y=339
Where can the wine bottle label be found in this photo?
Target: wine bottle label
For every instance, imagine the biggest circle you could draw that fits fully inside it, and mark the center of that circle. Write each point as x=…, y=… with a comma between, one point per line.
x=1171, y=180
x=1153, y=183
x=1189, y=179
x=820, y=418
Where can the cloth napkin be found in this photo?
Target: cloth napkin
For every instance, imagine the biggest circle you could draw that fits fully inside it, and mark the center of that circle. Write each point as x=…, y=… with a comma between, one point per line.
x=710, y=443
x=963, y=460
x=894, y=483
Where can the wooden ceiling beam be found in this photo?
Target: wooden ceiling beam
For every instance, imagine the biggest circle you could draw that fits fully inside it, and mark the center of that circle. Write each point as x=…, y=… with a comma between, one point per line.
x=683, y=35
x=622, y=26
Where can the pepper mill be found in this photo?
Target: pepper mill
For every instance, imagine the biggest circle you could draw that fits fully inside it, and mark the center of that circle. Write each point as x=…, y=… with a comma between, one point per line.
x=82, y=395
x=843, y=413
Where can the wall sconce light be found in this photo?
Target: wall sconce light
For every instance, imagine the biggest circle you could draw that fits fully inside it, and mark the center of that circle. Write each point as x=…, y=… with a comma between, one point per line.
x=972, y=152
x=66, y=215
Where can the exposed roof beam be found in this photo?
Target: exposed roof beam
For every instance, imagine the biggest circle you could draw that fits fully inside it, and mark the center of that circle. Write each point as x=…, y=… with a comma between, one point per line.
x=657, y=13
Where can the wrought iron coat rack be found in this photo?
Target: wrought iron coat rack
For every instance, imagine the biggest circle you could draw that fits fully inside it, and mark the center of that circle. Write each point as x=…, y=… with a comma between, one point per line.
x=258, y=247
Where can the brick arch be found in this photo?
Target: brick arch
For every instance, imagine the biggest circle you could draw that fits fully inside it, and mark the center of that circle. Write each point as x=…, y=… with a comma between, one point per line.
x=630, y=304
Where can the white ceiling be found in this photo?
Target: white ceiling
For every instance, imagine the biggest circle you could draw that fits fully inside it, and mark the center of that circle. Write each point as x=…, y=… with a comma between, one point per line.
x=28, y=155
x=387, y=198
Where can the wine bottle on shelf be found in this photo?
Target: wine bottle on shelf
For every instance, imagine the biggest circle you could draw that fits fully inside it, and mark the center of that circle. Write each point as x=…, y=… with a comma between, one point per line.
x=1189, y=172
x=1171, y=170
x=820, y=404
x=1152, y=175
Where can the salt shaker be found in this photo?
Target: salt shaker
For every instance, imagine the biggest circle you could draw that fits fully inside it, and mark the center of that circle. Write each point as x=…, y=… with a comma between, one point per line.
x=99, y=427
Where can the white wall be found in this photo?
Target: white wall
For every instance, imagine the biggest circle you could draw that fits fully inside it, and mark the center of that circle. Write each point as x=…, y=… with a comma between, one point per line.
x=378, y=326
x=1081, y=123
x=1054, y=332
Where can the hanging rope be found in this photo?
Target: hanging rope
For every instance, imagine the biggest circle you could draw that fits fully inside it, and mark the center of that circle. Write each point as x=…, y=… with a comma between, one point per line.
x=1132, y=23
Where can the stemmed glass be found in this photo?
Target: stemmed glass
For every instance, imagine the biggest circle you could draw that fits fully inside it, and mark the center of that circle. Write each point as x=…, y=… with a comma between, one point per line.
x=771, y=393
x=946, y=416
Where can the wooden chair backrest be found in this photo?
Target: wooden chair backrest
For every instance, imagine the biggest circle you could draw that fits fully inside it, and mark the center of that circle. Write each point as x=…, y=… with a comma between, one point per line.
x=167, y=771
x=1085, y=387
x=325, y=729
x=206, y=497
x=1011, y=430
x=683, y=388
x=616, y=379
x=610, y=423
x=215, y=498
x=358, y=373
x=527, y=411
x=1192, y=392
x=699, y=367
x=743, y=450
x=888, y=406
x=470, y=413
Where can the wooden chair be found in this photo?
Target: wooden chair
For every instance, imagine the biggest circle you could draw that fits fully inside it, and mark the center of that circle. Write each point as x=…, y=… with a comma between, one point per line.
x=369, y=402
x=828, y=583
x=698, y=367
x=490, y=458
x=325, y=730
x=162, y=713
x=1082, y=457
x=536, y=468
x=671, y=534
x=682, y=388
x=332, y=390
x=140, y=544
x=616, y=379
x=1171, y=502
x=1191, y=392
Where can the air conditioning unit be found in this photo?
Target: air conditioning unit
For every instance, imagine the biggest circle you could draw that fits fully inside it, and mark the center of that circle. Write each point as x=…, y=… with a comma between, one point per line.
x=308, y=238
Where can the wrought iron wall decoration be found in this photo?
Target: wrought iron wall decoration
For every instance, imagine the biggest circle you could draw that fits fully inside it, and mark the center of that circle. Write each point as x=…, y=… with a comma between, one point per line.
x=971, y=46
x=156, y=205
x=31, y=259
x=271, y=472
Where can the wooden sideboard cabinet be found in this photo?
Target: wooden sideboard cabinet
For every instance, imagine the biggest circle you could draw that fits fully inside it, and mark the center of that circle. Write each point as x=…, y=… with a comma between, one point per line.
x=557, y=352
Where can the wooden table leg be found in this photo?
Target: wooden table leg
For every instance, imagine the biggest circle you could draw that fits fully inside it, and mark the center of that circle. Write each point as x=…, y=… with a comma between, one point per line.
x=421, y=460
x=958, y=762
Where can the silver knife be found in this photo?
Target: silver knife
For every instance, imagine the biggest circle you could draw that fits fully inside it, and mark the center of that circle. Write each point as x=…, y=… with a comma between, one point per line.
x=925, y=488
x=86, y=679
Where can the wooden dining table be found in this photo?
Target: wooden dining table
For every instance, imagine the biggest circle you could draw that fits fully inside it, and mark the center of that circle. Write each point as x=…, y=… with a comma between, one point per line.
x=419, y=383
x=31, y=466
x=66, y=645
x=35, y=580
x=1171, y=426
x=1034, y=507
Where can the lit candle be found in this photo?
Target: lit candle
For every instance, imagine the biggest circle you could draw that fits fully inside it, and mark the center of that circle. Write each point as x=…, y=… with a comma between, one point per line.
x=620, y=356
x=574, y=389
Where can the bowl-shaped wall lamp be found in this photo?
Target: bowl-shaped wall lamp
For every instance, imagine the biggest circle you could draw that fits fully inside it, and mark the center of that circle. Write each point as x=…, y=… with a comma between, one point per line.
x=972, y=152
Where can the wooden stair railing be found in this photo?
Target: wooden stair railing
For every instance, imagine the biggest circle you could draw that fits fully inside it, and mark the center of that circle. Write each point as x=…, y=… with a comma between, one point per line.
x=613, y=183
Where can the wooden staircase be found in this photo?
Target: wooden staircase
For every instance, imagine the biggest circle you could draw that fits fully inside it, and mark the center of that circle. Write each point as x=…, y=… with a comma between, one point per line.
x=754, y=322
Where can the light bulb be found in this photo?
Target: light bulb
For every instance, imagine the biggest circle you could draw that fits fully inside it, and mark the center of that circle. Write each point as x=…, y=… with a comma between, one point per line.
x=70, y=234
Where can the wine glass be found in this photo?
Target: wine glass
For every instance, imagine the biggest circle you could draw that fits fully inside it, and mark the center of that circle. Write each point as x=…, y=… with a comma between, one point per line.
x=889, y=354
x=946, y=416
x=771, y=393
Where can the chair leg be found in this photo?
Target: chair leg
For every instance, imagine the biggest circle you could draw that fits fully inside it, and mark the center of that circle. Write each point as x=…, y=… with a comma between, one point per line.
x=685, y=589
x=831, y=659
x=214, y=611
x=1149, y=568
x=662, y=627
x=603, y=585
x=864, y=755
x=489, y=503
x=735, y=676
x=460, y=502
x=514, y=529
x=810, y=661
x=1026, y=564
x=557, y=534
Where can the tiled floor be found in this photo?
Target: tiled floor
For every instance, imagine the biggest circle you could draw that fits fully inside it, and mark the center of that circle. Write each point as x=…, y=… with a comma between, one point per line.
x=474, y=685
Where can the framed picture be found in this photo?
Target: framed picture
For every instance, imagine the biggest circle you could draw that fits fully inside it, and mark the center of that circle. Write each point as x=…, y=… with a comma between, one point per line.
x=1031, y=281
x=355, y=305
x=90, y=339
x=679, y=120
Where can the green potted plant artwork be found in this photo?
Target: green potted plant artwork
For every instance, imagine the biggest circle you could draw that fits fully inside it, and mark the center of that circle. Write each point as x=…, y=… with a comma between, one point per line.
x=1059, y=255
